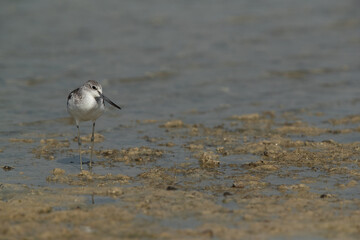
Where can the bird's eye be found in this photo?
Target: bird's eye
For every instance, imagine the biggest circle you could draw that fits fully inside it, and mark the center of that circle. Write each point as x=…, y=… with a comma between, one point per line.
x=93, y=87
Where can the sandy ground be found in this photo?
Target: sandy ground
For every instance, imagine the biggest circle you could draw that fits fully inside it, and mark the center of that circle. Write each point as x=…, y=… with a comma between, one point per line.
x=256, y=177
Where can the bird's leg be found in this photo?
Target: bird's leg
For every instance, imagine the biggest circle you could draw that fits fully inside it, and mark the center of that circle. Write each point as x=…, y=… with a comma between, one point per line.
x=79, y=144
x=92, y=144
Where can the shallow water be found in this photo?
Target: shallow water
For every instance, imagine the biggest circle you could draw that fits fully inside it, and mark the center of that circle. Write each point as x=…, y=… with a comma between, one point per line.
x=201, y=62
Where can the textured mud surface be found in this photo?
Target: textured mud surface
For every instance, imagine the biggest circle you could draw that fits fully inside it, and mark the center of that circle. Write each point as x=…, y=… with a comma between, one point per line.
x=239, y=120
x=257, y=175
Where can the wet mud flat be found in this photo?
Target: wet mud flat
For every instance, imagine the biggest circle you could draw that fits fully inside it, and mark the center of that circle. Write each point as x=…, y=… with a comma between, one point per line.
x=256, y=176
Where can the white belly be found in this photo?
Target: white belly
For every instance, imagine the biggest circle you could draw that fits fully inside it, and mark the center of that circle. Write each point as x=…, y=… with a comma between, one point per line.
x=88, y=109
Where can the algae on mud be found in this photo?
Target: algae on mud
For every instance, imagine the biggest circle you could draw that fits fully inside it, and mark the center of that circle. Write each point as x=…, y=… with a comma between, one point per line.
x=252, y=176
x=240, y=120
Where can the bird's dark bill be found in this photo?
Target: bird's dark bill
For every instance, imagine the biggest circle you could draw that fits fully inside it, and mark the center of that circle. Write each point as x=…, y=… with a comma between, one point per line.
x=111, y=102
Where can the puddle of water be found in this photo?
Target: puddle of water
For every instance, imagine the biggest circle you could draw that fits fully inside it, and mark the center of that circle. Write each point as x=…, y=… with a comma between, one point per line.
x=179, y=223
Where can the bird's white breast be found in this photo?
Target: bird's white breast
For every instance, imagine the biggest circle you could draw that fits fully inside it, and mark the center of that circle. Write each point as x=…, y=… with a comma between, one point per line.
x=86, y=108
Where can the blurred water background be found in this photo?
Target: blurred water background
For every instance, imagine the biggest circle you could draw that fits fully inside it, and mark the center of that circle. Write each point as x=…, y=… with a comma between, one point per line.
x=199, y=61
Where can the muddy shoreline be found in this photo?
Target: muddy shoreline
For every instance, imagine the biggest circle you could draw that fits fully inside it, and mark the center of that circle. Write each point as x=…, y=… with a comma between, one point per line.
x=254, y=176
x=239, y=120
